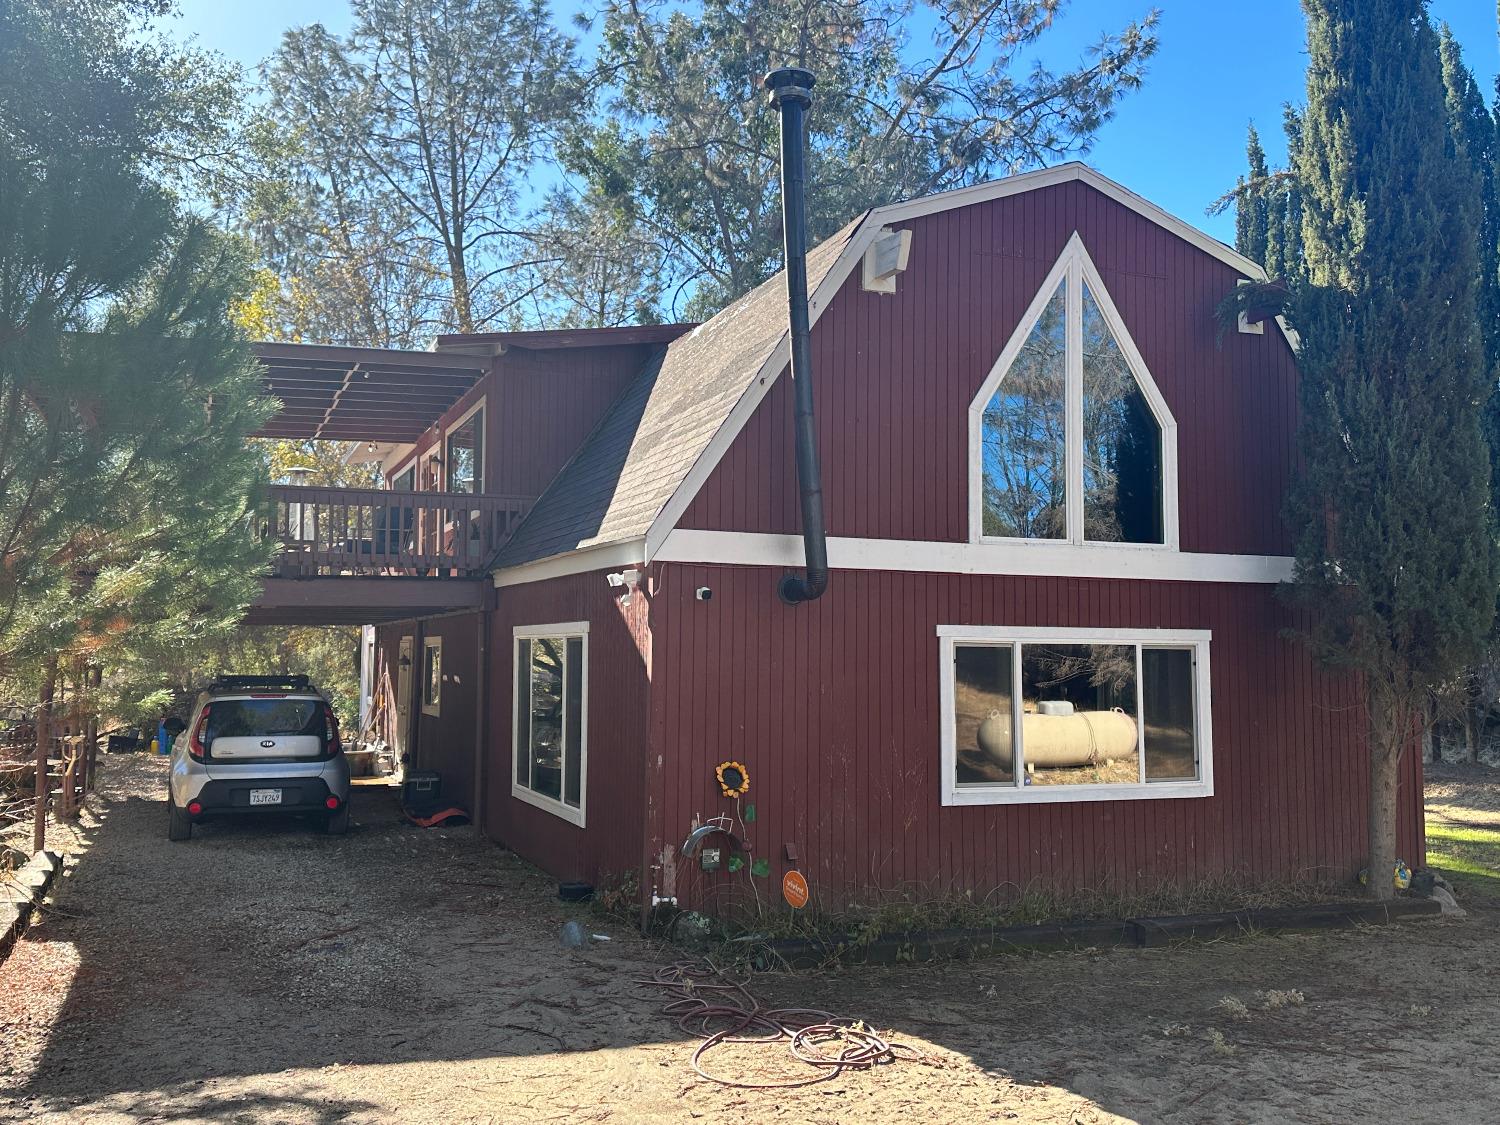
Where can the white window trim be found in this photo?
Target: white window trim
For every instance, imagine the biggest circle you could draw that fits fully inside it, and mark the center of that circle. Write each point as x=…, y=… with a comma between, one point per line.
x=1016, y=794
x=435, y=708
x=484, y=448
x=517, y=790
x=1076, y=268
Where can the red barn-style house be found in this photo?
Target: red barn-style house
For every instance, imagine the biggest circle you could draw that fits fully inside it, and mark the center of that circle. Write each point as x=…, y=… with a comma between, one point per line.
x=1051, y=651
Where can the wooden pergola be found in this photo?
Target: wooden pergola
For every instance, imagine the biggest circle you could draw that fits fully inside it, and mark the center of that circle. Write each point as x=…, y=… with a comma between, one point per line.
x=335, y=393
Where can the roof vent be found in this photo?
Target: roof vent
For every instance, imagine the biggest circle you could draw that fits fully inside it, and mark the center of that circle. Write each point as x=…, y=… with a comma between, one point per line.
x=885, y=258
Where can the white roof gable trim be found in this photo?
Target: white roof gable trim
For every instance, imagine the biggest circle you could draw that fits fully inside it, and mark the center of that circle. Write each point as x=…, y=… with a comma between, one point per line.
x=871, y=227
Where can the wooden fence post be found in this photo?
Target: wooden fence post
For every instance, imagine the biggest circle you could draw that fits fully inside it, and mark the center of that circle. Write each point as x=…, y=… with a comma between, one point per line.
x=43, y=745
x=94, y=674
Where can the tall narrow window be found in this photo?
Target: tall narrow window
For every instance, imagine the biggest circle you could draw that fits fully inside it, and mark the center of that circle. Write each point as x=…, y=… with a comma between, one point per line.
x=432, y=676
x=551, y=718
x=465, y=454
x=1072, y=440
x=1025, y=446
x=1121, y=442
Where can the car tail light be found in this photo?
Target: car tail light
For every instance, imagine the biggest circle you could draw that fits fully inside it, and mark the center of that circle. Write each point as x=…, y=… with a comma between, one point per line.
x=197, y=747
x=331, y=733
x=194, y=808
x=332, y=802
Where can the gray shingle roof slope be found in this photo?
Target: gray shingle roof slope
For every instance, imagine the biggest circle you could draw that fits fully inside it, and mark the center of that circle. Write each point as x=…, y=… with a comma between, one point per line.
x=631, y=464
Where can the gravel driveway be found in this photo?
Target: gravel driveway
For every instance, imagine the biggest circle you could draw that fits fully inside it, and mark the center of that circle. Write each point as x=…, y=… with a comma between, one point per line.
x=266, y=973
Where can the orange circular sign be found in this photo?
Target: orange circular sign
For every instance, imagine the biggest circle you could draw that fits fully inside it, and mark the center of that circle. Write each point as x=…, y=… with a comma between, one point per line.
x=794, y=889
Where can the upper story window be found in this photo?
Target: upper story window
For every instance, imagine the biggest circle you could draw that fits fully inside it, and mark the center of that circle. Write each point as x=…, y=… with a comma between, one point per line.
x=464, y=456
x=1071, y=441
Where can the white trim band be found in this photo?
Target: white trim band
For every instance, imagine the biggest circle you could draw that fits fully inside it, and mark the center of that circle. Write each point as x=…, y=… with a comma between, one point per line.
x=1063, y=560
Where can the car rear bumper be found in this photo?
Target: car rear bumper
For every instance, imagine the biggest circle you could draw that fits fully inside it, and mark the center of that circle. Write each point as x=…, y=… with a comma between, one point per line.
x=232, y=795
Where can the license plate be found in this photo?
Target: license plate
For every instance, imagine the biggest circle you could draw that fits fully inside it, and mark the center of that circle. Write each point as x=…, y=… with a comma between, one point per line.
x=265, y=796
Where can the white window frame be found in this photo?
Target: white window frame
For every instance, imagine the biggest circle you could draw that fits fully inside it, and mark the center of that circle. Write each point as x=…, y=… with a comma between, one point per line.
x=1015, y=792
x=484, y=449
x=1077, y=269
x=565, y=630
x=435, y=707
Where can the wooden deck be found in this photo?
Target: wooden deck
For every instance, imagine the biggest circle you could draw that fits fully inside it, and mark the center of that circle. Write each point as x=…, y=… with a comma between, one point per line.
x=368, y=532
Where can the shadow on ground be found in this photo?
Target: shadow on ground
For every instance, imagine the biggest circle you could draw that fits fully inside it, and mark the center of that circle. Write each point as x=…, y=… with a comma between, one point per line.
x=265, y=972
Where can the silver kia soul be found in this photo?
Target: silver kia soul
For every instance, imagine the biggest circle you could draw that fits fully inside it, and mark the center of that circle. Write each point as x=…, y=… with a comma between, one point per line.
x=258, y=744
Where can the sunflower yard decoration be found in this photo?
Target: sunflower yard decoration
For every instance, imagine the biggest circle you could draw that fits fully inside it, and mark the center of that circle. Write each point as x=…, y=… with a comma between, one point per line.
x=733, y=777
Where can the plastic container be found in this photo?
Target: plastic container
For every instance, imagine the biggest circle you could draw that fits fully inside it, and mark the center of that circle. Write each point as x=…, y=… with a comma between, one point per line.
x=421, y=787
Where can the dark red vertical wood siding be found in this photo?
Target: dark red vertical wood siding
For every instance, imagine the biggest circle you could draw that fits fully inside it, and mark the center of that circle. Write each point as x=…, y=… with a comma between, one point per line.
x=895, y=376
x=445, y=742
x=619, y=701
x=833, y=707
x=539, y=406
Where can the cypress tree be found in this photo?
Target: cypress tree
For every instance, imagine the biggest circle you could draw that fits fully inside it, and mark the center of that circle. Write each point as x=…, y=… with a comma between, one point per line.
x=1472, y=139
x=1284, y=237
x=1396, y=566
x=1256, y=195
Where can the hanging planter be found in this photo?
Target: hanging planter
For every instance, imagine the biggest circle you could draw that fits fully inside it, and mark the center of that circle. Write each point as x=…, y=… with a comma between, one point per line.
x=733, y=778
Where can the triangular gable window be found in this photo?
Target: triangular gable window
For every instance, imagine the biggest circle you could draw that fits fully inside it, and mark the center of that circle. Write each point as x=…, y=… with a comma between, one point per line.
x=1072, y=441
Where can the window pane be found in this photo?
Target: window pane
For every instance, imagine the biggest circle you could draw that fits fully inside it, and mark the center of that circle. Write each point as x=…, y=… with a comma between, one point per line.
x=523, y=713
x=405, y=481
x=252, y=718
x=1024, y=436
x=1121, y=442
x=573, y=724
x=982, y=714
x=547, y=716
x=1078, y=722
x=432, y=674
x=1170, y=718
x=466, y=455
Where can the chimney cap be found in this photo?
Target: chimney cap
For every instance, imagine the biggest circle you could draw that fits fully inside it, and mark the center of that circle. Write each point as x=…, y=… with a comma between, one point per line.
x=790, y=83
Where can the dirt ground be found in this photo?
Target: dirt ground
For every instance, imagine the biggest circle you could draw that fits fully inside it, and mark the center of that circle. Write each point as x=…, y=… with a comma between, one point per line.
x=265, y=973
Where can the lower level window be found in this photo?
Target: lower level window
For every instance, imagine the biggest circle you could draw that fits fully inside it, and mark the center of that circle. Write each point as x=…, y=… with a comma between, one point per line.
x=551, y=717
x=432, y=676
x=1073, y=714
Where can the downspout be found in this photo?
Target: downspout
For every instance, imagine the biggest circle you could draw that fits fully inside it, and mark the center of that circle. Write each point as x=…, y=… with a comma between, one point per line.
x=791, y=94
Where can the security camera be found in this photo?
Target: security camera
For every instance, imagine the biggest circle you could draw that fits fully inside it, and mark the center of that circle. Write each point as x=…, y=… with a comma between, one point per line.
x=703, y=594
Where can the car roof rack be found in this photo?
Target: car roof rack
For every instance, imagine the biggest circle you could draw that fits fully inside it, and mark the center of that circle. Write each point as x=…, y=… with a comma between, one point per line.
x=260, y=683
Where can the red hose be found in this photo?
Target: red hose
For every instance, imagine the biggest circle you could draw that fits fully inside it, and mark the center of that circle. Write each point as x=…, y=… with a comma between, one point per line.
x=706, y=998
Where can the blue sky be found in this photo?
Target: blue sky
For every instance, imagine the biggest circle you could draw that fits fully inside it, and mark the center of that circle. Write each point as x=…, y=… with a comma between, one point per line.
x=1179, y=141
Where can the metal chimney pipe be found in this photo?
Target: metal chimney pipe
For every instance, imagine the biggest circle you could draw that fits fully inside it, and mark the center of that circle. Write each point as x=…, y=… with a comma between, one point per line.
x=791, y=94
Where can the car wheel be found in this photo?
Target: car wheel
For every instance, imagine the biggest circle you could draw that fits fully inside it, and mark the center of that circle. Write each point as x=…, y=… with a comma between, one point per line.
x=179, y=824
x=336, y=824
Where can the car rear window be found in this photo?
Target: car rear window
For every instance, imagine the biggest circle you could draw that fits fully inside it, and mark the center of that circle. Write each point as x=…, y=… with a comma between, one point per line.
x=252, y=718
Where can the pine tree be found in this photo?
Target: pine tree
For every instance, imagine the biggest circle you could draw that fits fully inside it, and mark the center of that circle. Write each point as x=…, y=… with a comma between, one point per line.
x=126, y=394
x=683, y=136
x=1396, y=562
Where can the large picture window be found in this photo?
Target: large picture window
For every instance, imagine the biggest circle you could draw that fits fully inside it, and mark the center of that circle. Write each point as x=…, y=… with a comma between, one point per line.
x=1072, y=441
x=551, y=718
x=1074, y=715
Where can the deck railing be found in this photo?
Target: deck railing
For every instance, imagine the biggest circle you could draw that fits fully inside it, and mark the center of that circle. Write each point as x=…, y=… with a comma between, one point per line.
x=371, y=531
